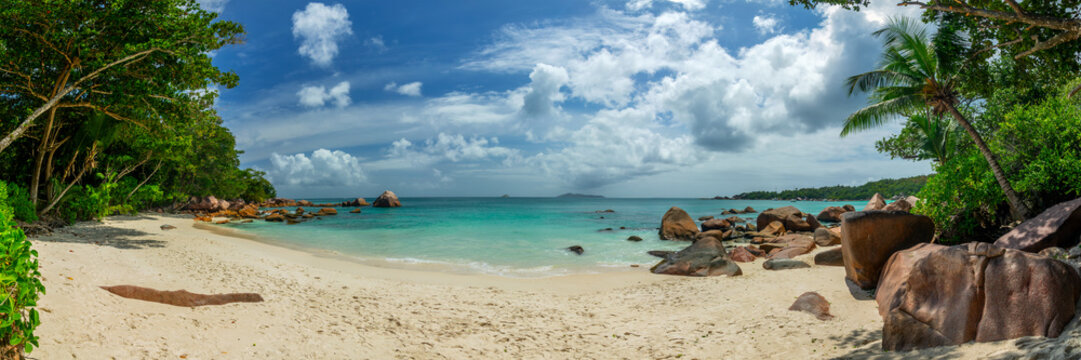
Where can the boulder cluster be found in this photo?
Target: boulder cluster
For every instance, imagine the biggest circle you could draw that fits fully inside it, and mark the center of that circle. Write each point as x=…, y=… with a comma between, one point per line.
x=1024, y=284
x=206, y=209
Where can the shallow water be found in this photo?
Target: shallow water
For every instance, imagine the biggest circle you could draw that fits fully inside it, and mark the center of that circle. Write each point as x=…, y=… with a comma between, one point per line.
x=518, y=237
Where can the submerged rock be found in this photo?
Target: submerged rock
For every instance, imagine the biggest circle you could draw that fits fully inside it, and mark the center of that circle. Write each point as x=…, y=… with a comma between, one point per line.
x=660, y=253
x=634, y=238
x=715, y=224
x=576, y=249
x=812, y=302
x=705, y=257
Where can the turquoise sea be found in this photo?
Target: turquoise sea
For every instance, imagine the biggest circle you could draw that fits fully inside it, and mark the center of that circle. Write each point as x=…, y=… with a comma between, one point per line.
x=514, y=237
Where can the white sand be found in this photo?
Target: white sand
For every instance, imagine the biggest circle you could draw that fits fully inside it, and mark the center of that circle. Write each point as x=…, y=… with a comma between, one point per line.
x=322, y=307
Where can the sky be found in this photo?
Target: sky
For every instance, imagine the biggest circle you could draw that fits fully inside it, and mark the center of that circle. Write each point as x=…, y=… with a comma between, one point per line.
x=632, y=98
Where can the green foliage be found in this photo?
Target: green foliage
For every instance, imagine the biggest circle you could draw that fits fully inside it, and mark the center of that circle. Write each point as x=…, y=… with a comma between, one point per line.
x=20, y=286
x=19, y=200
x=1039, y=146
x=923, y=138
x=256, y=187
x=886, y=187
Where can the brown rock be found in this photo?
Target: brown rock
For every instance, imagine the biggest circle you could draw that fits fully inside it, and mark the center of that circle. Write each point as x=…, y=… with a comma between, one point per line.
x=387, y=199
x=634, y=238
x=812, y=222
x=305, y=203
x=832, y=214
x=1058, y=226
x=204, y=218
x=831, y=257
x=354, y=211
x=742, y=254
x=327, y=211
x=869, y=238
x=877, y=202
x=719, y=234
x=704, y=218
x=790, y=216
x=715, y=224
x=705, y=257
x=735, y=220
x=220, y=222
x=249, y=212
x=827, y=236
x=994, y=294
x=276, y=217
x=795, y=245
x=308, y=216
x=784, y=264
x=849, y=207
x=180, y=297
x=813, y=303
x=355, y=202
x=576, y=249
x=749, y=210
x=677, y=225
x=899, y=205
x=775, y=228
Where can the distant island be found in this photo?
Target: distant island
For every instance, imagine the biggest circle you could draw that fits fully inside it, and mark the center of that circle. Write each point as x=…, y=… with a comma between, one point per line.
x=886, y=187
x=580, y=196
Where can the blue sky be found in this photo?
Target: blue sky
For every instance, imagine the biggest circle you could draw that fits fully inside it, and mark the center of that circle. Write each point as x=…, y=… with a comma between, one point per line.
x=638, y=98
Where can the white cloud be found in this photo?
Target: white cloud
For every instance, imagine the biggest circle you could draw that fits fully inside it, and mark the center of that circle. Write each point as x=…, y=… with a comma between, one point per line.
x=690, y=5
x=320, y=28
x=410, y=89
x=317, y=96
x=324, y=168
x=448, y=148
x=213, y=5
x=765, y=24
x=546, y=80
x=377, y=43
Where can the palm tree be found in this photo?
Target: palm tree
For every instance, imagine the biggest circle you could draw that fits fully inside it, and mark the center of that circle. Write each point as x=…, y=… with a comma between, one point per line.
x=911, y=77
x=939, y=142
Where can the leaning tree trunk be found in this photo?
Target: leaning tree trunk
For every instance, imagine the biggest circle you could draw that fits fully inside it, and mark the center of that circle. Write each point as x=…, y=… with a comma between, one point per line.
x=40, y=157
x=1020, y=211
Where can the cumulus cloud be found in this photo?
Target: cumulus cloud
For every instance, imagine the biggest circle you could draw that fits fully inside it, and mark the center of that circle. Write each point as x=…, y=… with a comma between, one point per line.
x=213, y=5
x=765, y=24
x=545, y=82
x=317, y=96
x=410, y=89
x=324, y=168
x=377, y=43
x=320, y=28
x=451, y=148
x=636, y=5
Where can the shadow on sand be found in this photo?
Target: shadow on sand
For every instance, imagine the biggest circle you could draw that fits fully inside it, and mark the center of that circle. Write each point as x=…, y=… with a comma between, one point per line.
x=103, y=235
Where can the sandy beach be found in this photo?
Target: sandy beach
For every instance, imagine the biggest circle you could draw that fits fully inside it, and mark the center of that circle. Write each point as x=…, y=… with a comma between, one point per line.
x=319, y=306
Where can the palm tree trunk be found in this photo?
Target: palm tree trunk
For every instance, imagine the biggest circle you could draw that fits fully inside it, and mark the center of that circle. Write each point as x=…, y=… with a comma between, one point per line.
x=1020, y=211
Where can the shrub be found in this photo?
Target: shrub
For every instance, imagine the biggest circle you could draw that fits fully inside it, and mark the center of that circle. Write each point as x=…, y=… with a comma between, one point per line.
x=19, y=200
x=1039, y=149
x=20, y=286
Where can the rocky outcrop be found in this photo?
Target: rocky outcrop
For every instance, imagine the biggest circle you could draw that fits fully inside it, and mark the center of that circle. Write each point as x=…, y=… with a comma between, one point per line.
x=790, y=216
x=994, y=294
x=869, y=238
x=794, y=245
x=206, y=204
x=832, y=214
x=784, y=264
x=677, y=225
x=1058, y=226
x=327, y=211
x=899, y=205
x=715, y=224
x=705, y=257
x=275, y=217
x=249, y=211
x=180, y=297
x=877, y=202
x=813, y=303
x=355, y=203
x=827, y=236
x=282, y=202
x=387, y=199
x=831, y=257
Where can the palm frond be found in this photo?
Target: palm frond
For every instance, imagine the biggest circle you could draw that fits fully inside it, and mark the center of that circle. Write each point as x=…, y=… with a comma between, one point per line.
x=879, y=113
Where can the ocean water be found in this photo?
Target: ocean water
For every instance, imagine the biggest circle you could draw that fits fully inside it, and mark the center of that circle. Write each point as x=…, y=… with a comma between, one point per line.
x=514, y=237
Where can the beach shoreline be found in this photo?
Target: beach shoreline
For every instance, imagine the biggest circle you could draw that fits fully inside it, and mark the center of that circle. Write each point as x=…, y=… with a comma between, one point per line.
x=321, y=307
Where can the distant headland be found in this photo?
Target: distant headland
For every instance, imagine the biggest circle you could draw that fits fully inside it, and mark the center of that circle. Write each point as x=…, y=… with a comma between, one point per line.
x=580, y=196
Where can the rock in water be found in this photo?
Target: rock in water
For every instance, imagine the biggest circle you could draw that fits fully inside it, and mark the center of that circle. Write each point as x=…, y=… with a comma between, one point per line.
x=576, y=249
x=275, y=218
x=354, y=211
x=848, y=207
x=168, y=227
x=715, y=224
x=869, y=238
x=877, y=202
x=899, y=205
x=387, y=199
x=813, y=303
x=634, y=238
x=749, y=210
x=827, y=237
x=660, y=253
x=677, y=225
x=705, y=257
x=1058, y=226
x=832, y=214
x=354, y=202
x=831, y=257
x=790, y=216
x=327, y=211
x=784, y=264
x=180, y=297
x=994, y=294
x=704, y=218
